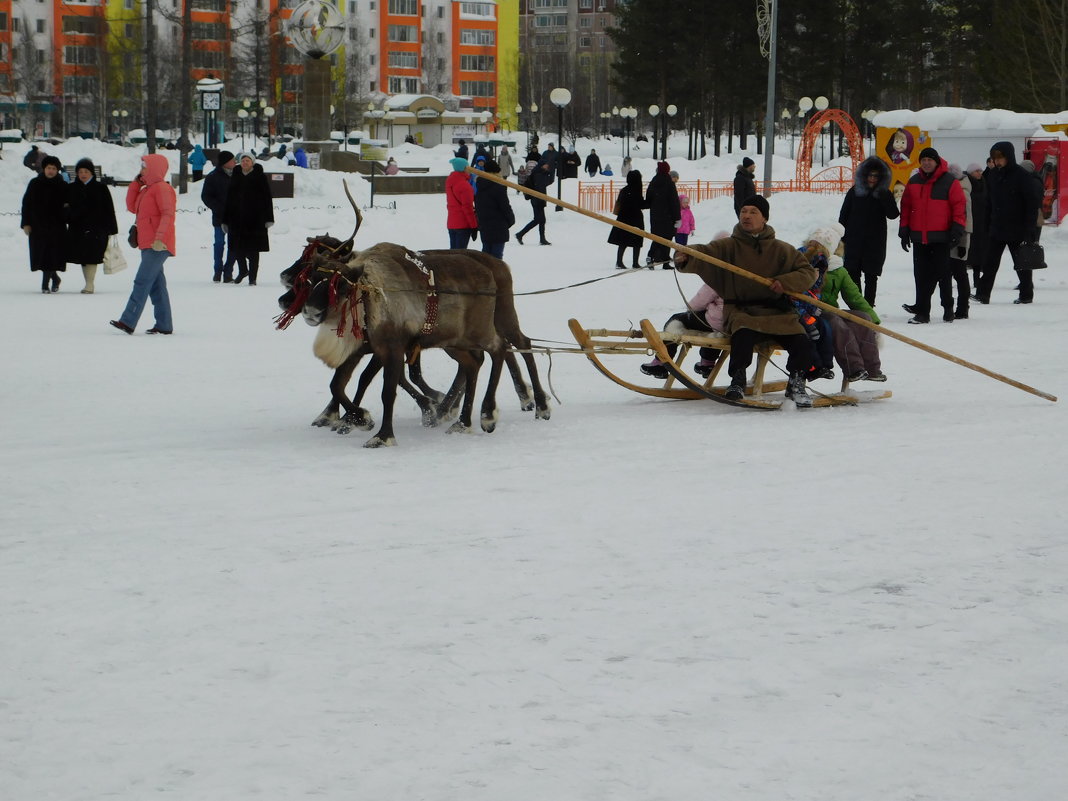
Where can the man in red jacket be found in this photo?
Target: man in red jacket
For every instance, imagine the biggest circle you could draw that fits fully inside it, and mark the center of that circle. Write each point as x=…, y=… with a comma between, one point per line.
x=933, y=214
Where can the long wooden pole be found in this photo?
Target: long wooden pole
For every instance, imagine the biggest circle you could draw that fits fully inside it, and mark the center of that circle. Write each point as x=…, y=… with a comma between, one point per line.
x=767, y=282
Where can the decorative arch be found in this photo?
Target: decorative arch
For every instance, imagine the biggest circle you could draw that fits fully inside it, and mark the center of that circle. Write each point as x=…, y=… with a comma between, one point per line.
x=803, y=176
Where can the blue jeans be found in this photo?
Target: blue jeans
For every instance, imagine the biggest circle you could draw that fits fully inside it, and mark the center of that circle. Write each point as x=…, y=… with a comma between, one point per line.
x=494, y=249
x=227, y=267
x=150, y=283
x=459, y=237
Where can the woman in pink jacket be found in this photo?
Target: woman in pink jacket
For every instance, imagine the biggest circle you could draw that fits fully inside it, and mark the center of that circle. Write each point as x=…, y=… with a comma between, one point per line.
x=152, y=200
x=460, y=203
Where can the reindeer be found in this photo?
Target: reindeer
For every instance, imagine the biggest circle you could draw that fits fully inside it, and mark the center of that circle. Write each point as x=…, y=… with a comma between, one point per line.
x=407, y=306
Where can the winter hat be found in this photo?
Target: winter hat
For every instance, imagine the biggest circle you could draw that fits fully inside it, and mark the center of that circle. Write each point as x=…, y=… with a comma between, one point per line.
x=683, y=196
x=489, y=165
x=1028, y=165
x=51, y=160
x=224, y=157
x=244, y=153
x=663, y=167
x=929, y=153
x=758, y=202
x=458, y=164
x=747, y=162
x=86, y=162
x=532, y=165
x=829, y=236
x=673, y=175
x=954, y=170
x=973, y=167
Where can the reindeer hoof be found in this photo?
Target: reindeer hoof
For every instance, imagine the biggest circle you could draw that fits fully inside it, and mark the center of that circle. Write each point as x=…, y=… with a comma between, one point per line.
x=542, y=414
x=360, y=419
x=325, y=419
x=457, y=428
x=489, y=422
x=379, y=442
x=430, y=418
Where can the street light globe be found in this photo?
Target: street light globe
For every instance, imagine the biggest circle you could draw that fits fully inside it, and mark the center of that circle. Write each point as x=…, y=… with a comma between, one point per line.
x=805, y=104
x=268, y=112
x=242, y=113
x=518, y=108
x=115, y=113
x=822, y=103
x=654, y=110
x=786, y=114
x=533, y=108
x=560, y=97
x=485, y=116
x=672, y=110
x=615, y=110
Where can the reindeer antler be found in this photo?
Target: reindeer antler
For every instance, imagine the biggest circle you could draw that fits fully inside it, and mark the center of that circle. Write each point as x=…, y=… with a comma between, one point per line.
x=359, y=217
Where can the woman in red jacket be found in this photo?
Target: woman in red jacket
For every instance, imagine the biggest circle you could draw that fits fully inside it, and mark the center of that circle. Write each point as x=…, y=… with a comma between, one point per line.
x=460, y=203
x=151, y=198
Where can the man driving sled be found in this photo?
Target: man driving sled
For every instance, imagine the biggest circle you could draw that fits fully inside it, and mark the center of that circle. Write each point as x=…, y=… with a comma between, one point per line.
x=753, y=312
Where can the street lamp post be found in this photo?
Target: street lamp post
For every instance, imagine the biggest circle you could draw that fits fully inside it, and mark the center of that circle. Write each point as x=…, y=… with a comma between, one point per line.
x=615, y=113
x=268, y=112
x=242, y=115
x=786, y=116
x=560, y=97
x=628, y=113
x=821, y=104
x=654, y=112
x=669, y=112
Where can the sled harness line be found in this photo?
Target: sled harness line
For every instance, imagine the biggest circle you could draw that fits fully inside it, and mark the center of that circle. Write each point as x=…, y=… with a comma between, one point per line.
x=672, y=245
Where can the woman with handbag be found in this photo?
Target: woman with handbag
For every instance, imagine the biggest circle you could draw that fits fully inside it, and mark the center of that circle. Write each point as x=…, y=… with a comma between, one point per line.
x=152, y=199
x=90, y=221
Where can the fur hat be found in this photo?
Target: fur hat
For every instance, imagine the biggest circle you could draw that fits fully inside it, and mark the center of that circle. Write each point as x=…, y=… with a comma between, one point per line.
x=244, y=153
x=458, y=164
x=224, y=158
x=53, y=161
x=759, y=202
x=973, y=167
x=828, y=235
x=929, y=153
x=1028, y=165
x=532, y=165
x=747, y=162
x=85, y=162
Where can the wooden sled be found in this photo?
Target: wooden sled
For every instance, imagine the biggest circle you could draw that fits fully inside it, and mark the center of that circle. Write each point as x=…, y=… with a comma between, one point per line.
x=682, y=385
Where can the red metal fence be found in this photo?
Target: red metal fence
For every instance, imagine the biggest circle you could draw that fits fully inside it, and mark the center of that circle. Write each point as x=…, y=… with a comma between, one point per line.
x=601, y=197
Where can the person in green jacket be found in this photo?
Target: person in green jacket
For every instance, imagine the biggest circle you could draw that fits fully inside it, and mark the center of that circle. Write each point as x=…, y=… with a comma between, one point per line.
x=855, y=346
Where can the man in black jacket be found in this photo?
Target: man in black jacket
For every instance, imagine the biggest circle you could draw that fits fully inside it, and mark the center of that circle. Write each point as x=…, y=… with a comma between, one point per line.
x=538, y=181
x=213, y=195
x=1013, y=205
x=744, y=186
x=593, y=164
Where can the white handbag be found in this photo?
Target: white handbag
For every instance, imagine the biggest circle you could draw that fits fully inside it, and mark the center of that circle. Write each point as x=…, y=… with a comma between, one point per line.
x=114, y=261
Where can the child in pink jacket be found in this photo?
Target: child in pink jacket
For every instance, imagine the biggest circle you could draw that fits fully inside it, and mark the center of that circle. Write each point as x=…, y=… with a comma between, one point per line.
x=687, y=224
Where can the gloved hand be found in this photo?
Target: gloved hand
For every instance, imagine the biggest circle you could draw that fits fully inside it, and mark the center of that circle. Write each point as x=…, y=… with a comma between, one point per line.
x=474, y=234
x=962, y=252
x=26, y=230
x=906, y=243
x=677, y=224
x=269, y=223
x=225, y=228
x=956, y=233
x=158, y=245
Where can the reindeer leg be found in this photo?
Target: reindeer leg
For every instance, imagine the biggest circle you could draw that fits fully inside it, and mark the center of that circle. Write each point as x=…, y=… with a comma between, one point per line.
x=415, y=373
x=469, y=363
x=426, y=405
x=393, y=363
x=490, y=415
x=526, y=400
x=355, y=415
x=521, y=341
x=329, y=416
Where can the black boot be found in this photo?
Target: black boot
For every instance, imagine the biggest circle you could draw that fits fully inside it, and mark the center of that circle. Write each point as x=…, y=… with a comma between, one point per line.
x=795, y=390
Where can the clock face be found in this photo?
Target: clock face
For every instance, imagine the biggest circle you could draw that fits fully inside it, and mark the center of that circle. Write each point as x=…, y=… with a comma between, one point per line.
x=212, y=101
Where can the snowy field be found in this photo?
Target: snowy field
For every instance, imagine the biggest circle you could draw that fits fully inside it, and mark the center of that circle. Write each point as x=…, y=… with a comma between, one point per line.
x=203, y=597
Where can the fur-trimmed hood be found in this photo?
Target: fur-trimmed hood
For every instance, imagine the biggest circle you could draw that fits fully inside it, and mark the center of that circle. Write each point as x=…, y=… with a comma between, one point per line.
x=868, y=166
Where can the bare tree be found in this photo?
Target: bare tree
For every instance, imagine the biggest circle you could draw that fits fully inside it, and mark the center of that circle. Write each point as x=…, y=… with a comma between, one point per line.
x=28, y=72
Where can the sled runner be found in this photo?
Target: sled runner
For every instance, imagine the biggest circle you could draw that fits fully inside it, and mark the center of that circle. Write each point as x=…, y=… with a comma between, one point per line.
x=683, y=385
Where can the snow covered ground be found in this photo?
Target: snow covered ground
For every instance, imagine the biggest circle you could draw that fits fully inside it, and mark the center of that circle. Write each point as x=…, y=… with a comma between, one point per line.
x=205, y=598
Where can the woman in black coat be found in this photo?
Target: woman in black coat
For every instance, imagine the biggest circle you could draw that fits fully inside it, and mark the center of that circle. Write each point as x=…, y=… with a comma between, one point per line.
x=494, y=212
x=665, y=212
x=867, y=206
x=90, y=221
x=979, y=239
x=628, y=209
x=44, y=221
x=249, y=213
